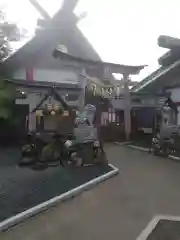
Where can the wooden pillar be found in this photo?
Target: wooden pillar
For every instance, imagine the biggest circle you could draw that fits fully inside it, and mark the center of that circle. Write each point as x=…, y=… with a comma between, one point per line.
x=32, y=121
x=82, y=80
x=127, y=107
x=33, y=101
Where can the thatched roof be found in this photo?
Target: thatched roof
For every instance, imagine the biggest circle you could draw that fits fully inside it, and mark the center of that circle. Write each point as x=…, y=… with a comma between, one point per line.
x=38, y=51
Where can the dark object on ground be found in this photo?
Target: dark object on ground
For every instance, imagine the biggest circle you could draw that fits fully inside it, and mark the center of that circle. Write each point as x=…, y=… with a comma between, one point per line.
x=31, y=151
x=85, y=153
x=162, y=147
x=166, y=230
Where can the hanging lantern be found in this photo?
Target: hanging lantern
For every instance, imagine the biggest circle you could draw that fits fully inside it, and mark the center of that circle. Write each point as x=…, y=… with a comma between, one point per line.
x=117, y=90
x=109, y=91
x=57, y=107
x=66, y=114
x=49, y=107
x=102, y=92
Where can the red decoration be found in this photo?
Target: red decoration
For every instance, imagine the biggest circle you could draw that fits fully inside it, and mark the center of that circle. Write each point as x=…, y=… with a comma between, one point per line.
x=29, y=74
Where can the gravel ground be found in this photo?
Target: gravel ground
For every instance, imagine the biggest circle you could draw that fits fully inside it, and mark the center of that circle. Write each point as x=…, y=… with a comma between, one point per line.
x=23, y=188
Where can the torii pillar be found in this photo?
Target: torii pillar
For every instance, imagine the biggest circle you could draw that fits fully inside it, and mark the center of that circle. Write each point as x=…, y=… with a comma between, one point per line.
x=127, y=106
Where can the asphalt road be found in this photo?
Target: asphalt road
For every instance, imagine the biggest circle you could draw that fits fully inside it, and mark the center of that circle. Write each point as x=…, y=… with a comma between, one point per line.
x=120, y=208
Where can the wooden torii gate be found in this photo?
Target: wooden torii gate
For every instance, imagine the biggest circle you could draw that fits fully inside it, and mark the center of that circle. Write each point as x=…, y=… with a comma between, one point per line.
x=125, y=70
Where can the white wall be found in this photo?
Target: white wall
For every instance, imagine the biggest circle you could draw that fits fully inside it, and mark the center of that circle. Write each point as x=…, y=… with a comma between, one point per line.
x=20, y=74
x=58, y=76
x=49, y=75
x=175, y=94
x=118, y=103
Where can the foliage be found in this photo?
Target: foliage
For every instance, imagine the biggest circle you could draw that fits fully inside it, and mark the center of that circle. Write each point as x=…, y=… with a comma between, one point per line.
x=9, y=32
x=7, y=98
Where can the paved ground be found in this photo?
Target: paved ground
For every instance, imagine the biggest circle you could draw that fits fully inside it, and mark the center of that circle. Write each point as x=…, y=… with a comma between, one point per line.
x=117, y=209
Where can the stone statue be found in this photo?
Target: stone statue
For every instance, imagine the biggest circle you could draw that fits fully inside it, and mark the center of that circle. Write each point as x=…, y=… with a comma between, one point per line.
x=168, y=124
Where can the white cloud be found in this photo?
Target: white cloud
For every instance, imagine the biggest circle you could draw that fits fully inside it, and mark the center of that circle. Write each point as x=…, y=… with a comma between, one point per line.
x=126, y=32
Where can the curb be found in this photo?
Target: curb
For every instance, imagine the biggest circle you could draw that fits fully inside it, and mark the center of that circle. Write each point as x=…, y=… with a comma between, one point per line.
x=148, y=229
x=139, y=148
x=174, y=158
x=148, y=150
x=122, y=143
x=152, y=224
x=10, y=222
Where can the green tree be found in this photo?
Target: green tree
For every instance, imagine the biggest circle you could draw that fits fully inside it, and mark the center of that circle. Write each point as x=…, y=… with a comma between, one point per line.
x=9, y=32
x=7, y=98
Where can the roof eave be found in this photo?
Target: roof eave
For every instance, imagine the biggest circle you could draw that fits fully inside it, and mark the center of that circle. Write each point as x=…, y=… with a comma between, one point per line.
x=39, y=84
x=156, y=77
x=116, y=68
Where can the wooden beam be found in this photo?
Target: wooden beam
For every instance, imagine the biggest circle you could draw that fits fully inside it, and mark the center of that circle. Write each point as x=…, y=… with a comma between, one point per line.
x=40, y=9
x=69, y=5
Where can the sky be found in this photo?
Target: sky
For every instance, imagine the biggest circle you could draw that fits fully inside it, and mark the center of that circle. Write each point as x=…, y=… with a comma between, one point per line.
x=122, y=32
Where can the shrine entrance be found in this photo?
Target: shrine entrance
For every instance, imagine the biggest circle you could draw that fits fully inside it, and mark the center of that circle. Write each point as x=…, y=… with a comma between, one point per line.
x=106, y=70
x=112, y=126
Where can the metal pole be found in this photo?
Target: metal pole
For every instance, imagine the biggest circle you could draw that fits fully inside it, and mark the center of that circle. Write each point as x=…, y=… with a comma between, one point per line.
x=127, y=107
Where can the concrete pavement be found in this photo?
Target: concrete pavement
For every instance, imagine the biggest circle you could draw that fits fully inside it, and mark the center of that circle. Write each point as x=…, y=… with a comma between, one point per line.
x=119, y=208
